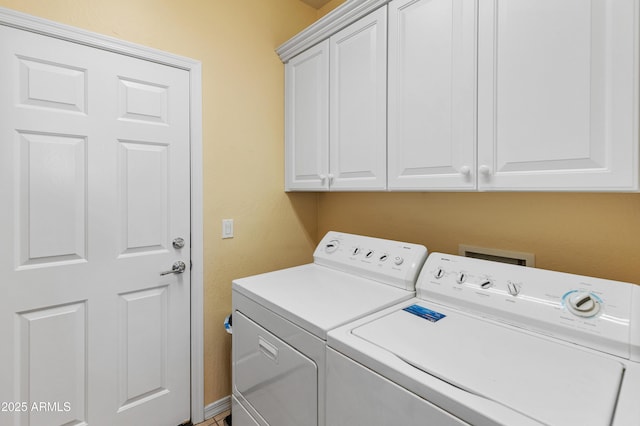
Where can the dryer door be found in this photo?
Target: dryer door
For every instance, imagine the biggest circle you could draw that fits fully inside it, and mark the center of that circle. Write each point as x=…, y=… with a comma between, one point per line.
x=278, y=382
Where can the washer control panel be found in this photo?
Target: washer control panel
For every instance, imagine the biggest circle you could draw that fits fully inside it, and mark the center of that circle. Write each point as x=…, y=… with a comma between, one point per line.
x=391, y=262
x=589, y=311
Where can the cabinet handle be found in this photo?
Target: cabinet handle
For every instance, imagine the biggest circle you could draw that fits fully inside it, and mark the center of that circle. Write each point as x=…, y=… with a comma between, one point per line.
x=323, y=178
x=465, y=170
x=330, y=178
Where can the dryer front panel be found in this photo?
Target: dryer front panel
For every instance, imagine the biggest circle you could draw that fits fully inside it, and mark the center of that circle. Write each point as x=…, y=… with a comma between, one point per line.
x=278, y=381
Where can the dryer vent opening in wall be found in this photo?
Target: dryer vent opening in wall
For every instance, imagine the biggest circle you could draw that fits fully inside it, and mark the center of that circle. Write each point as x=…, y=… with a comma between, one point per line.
x=497, y=255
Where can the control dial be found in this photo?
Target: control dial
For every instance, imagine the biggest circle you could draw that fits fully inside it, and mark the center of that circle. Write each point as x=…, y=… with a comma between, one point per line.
x=582, y=303
x=486, y=283
x=438, y=273
x=513, y=288
x=332, y=246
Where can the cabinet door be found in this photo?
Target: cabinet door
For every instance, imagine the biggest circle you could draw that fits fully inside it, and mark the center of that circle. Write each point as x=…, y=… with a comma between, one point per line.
x=307, y=120
x=558, y=95
x=432, y=94
x=358, y=81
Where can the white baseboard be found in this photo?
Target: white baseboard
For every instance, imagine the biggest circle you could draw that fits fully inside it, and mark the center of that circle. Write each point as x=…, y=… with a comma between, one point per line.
x=217, y=407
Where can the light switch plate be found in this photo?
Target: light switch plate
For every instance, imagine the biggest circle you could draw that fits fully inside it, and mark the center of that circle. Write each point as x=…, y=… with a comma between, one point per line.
x=227, y=228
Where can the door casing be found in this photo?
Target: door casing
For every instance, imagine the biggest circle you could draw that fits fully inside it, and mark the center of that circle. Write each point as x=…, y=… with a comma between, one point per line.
x=52, y=29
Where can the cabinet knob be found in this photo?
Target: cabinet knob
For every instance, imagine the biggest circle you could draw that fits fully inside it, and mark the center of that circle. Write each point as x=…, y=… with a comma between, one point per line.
x=465, y=170
x=484, y=170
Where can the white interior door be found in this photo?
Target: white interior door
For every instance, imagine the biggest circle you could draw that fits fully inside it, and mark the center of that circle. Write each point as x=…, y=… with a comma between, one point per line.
x=94, y=179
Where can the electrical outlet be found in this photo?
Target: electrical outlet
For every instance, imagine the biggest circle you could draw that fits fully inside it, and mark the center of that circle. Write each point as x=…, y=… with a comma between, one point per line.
x=227, y=228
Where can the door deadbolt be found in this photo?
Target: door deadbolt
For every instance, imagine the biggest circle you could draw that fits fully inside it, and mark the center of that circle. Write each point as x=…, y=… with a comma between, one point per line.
x=178, y=243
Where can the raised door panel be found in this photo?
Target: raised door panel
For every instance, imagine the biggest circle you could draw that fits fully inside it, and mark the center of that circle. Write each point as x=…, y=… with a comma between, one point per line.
x=51, y=366
x=143, y=338
x=358, y=105
x=432, y=94
x=52, y=205
x=143, y=181
x=307, y=120
x=558, y=97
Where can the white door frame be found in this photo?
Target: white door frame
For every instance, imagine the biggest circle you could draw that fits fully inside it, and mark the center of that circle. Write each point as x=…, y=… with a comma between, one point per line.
x=52, y=29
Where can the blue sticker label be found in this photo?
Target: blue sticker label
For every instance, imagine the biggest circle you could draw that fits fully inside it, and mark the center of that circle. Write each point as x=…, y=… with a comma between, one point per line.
x=425, y=313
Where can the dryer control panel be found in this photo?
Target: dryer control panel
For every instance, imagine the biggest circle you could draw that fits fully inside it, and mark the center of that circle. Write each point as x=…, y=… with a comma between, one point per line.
x=391, y=262
x=592, y=312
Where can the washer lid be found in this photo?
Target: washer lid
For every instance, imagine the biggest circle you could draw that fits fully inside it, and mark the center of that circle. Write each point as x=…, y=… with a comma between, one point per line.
x=318, y=298
x=550, y=382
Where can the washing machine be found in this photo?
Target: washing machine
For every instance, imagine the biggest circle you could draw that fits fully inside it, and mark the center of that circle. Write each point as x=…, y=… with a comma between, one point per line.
x=281, y=320
x=486, y=343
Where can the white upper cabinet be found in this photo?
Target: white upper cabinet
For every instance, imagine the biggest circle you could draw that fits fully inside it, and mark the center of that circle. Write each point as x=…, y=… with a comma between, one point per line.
x=307, y=120
x=432, y=95
x=491, y=95
x=336, y=111
x=558, y=95
x=358, y=105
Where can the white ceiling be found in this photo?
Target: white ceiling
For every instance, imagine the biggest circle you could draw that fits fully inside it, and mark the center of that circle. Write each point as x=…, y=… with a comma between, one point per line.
x=316, y=3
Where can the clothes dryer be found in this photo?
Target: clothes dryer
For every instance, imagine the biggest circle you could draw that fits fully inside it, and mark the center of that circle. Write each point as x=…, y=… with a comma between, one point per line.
x=281, y=320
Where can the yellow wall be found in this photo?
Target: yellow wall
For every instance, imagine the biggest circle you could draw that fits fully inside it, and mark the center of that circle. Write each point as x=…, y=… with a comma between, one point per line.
x=589, y=234
x=243, y=133
x=329, y=7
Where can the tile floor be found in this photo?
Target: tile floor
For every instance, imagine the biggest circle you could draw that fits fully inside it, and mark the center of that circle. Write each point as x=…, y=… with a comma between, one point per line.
x=215, y=421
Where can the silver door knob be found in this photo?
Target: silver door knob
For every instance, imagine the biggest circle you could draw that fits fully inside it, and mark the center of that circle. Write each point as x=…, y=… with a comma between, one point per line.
x=177, y=268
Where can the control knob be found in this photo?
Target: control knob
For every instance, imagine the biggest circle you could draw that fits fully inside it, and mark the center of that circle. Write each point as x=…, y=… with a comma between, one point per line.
x=582, y=303
x=439, y=273
x=398, y=260
x=486, y=283
x=513, y=288
x=332, y=246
